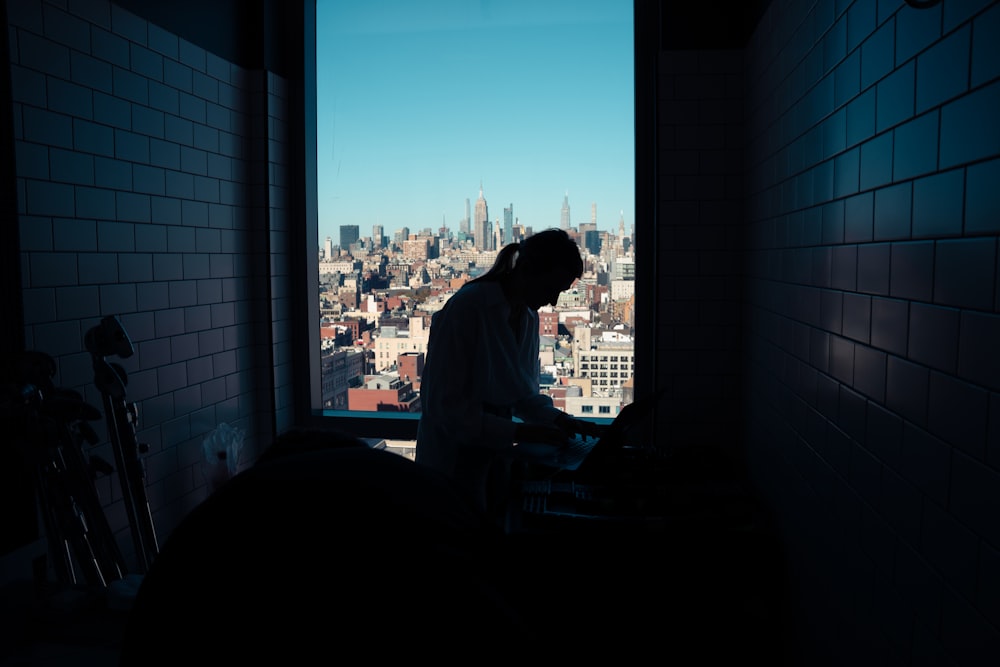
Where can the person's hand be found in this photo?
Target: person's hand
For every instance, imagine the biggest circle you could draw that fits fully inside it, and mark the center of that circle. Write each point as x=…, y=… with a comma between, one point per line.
x=571, y=427
x=544, y=433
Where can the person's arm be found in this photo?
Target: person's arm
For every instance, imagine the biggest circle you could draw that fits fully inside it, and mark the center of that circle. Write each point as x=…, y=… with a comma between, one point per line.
x=457, y=397
x=465, y=420
x=540, y=433
x=555, y=426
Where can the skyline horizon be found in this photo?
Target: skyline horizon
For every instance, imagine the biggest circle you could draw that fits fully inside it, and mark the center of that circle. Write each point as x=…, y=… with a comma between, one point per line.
x=455, y=227
x=394, y=143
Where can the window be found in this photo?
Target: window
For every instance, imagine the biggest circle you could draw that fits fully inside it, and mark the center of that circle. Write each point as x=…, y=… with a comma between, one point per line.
x=401, y=91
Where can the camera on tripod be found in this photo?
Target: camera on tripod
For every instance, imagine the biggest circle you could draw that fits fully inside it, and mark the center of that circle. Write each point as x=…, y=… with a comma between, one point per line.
x=108, y=338
x=50, y=424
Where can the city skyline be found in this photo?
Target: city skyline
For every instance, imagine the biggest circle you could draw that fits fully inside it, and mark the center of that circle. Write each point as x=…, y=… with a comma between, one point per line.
x=532, y=101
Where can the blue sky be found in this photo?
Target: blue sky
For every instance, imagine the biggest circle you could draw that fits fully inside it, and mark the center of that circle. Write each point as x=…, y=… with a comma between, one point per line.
x=420, y=102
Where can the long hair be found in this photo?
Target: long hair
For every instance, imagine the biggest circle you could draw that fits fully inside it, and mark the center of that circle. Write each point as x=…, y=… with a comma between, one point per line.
x=551, y=247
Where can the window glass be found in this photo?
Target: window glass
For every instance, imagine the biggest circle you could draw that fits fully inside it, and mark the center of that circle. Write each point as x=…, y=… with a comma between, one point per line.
x=444, y=130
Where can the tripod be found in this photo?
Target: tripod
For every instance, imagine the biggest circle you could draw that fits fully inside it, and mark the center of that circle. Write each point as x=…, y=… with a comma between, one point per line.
x=51, y=427
x=105, y=339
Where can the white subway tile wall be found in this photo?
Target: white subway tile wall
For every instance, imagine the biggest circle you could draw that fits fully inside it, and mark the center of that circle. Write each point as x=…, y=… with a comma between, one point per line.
x=150, y=175
x=873, y=143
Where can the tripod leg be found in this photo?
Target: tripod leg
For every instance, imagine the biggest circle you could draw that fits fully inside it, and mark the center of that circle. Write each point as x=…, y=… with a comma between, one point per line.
x=111, y=379
x=65, y=563
x=102, y=545
x=138, y=476
x=83, y=550
x=132, y=482
x=62, y=562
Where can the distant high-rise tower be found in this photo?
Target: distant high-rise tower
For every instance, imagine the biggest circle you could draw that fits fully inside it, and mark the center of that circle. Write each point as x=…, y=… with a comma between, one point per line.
x=464, y=225
x=348, y=234
x=481, y=224
x=564, y=217
x=623, y=240
x=593, y=214
x=508, y=225
x=328, y=248
x=378, y=236
x=587, y=228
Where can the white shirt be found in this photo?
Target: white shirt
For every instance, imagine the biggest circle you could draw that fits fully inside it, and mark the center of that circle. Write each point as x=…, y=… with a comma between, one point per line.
x=475, y=360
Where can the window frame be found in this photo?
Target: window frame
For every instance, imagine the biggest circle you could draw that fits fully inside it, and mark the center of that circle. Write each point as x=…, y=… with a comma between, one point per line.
x=403, y=426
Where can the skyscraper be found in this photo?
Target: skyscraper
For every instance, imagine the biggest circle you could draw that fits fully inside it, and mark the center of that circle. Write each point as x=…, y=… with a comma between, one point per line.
x=480, y=227
x=464, y=225
x=508, y=224
x=589, y=237
x=401, y=234
x=378, y=236
x=348, y=234
x=564, y=218
x=625, y=241
x=328, y=248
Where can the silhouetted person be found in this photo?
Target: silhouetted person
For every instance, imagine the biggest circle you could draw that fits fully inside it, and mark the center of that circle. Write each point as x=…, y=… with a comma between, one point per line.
x=482, y=369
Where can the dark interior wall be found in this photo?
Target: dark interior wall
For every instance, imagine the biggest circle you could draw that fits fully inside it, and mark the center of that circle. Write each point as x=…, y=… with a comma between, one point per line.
x=153, y=179
x=231, y=29
x=873, y=315
x=699, y=228
x=254, y=34
x=16, y=483
x=699, y=217
x=707, y=26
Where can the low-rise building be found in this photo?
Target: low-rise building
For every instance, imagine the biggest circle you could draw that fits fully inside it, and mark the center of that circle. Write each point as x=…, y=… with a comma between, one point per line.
x=383, y=393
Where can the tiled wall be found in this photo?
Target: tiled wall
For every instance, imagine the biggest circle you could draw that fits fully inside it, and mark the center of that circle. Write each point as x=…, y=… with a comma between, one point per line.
x=151, y=183
x=699, y=245
x=874, y=321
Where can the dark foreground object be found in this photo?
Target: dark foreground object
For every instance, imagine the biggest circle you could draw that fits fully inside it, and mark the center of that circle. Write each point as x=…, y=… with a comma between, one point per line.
x=346, y=550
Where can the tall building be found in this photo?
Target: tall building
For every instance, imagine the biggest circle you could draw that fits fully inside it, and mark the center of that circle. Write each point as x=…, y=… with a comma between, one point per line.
x=484, y=231
x=508, y=224
x=481, y=229
x=378, y=236
x=593, y=214
x=348, y=234
x=464, y=225
x=564, y=217
x=328, y=248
